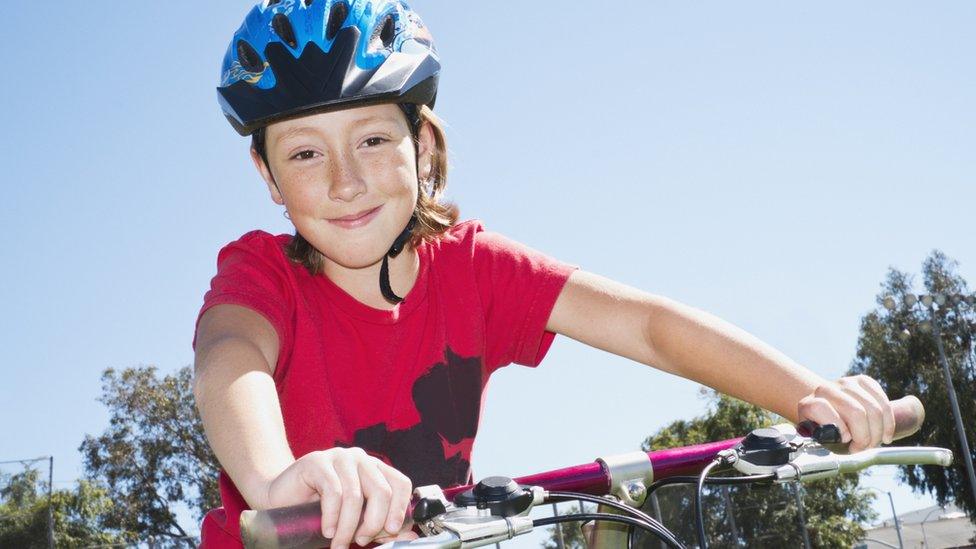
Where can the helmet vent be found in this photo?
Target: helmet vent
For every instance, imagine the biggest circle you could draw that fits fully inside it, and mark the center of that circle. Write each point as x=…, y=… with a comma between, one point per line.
x=307, y=3
x=337, y=16
x=386, y=34
x=282, y=27
x=273, y=2
x=249, y=57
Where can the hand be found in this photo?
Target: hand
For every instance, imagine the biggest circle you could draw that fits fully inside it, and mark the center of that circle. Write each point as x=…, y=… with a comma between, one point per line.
x=344, y=480
x=857, y=405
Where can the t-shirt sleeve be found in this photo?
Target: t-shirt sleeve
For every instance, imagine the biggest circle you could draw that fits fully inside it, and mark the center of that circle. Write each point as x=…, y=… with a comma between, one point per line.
x=518, y=287
x=252, y=272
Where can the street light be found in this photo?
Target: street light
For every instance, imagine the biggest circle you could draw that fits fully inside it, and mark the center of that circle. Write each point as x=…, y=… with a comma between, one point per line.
x=894, y=515
x=931, y=304
x=925, y=538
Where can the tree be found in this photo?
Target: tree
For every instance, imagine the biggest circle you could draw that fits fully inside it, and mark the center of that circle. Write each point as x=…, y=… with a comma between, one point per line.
x=762, y=515
x=572, y=535
x=154, y=456
x=77, y=514
x=898, y=348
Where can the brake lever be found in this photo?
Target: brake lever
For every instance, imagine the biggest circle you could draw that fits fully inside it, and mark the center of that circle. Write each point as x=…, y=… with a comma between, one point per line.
x=444, y=540
x=824, y=434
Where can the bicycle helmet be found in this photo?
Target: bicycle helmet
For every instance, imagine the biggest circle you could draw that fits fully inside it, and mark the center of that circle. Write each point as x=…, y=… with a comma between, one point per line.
x=296, y=57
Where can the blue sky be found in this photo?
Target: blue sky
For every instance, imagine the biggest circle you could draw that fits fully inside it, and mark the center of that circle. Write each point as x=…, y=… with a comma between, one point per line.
x=764, y=161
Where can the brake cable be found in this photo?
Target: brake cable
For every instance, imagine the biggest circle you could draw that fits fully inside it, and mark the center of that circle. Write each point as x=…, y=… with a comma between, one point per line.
x=658, y=529
x=610, y=517
x=699, y=514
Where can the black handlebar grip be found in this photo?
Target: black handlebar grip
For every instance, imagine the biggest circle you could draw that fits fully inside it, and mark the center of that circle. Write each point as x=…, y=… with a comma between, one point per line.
x=909, y=415
x=295, y=527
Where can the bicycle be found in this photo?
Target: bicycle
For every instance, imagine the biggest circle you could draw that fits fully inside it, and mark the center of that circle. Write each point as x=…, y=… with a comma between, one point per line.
x=497, y=508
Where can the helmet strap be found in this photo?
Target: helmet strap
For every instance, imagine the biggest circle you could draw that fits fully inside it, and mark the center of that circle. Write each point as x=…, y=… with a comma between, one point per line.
x=413, y=119
x=395, y=250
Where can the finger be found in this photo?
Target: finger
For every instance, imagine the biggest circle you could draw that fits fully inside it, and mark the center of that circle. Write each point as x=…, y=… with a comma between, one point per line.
x=852, y=414
x=351, y=504
x=402, y=491
x=406, y=535
x=378, y=494
x=329, y=487
x=873, y=413
x=819, y=410
x=888, y=412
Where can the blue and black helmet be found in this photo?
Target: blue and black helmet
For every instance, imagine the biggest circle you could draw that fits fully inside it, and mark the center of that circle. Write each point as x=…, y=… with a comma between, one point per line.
x=295, y=57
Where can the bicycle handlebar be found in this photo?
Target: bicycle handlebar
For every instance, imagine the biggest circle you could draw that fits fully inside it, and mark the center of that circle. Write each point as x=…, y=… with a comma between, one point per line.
x=299, y=526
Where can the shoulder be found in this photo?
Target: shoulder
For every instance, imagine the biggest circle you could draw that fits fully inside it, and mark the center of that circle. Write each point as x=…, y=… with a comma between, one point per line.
x=256, y=245
x=459, y=234
x=260, y=241
x=471, y=237
x=258, y=255
x=488, y=251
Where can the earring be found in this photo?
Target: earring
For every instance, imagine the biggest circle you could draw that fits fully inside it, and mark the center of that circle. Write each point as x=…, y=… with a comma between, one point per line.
x=286, y=214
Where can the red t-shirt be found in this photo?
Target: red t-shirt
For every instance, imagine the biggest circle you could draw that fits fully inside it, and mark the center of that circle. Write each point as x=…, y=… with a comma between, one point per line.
x=407, y=384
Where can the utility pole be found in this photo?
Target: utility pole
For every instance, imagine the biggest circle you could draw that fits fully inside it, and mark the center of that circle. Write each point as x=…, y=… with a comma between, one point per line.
x=894, y=515
x=560, y=542
x=967, y=456
x=50, y=502
x=656, y=505
x=730, y=510
x=803, y=518
x=931, y=304
x=50, y=491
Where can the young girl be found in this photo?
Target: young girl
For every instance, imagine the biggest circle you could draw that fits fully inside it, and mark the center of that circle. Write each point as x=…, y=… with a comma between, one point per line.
x=347, y=363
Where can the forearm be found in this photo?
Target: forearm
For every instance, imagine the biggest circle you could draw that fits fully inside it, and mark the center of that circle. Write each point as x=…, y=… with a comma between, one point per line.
x=239, y=407
x=687, y=342
x=701, y=347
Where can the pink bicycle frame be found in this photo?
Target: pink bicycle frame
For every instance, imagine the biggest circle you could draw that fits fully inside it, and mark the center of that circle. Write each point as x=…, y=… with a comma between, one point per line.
x=299, y=526
x=594, y=478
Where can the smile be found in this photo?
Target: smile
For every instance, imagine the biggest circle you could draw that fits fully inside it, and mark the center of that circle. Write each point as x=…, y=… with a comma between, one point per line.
x=356, y=220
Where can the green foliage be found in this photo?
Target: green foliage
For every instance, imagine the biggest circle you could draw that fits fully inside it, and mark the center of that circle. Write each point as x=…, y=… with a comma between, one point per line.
x=572, y=535
x=898, y=348
x=154, y=455
x=763, y=516
x=76, y=514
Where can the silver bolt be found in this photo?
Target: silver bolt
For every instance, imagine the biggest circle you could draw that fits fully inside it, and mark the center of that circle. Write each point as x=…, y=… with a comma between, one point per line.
x=636, y=491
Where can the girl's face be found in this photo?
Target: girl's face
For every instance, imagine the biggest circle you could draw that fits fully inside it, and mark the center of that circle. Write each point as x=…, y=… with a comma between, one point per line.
x=347, y=178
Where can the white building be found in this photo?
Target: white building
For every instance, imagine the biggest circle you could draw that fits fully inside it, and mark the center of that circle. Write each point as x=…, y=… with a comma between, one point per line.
x=932, y=527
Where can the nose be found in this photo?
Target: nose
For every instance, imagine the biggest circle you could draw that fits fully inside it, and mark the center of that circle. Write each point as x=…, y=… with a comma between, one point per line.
x=346, y=180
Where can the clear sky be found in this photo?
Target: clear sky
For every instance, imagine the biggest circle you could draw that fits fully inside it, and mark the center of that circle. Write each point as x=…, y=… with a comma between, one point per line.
x=765, y=161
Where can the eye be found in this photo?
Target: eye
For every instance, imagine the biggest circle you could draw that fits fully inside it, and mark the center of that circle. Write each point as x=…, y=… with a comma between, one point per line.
x=304, y=155
x=374, y=141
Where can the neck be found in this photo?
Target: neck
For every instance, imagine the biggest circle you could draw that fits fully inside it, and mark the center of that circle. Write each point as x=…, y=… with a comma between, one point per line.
x=364, y=283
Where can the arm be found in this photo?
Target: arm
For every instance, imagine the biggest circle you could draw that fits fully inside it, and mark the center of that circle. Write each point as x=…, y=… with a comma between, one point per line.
x=681, y=340
x=236, y=352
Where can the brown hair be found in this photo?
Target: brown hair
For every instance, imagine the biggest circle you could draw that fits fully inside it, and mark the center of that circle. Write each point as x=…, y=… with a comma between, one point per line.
x=434, y=215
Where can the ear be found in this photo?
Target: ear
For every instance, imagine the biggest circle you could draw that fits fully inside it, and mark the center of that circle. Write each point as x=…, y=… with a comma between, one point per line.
x=425, y=150
x=265, y=172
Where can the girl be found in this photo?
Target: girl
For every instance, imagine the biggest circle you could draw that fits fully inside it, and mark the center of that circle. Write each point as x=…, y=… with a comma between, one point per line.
x=347, y=363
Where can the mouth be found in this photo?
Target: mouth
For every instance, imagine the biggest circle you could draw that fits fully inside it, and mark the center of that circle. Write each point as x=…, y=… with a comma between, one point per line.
x=355, y=220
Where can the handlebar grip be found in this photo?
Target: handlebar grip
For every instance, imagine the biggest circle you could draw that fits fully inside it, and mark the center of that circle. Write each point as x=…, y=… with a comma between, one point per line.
x=295, y=527
x=909, y=415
